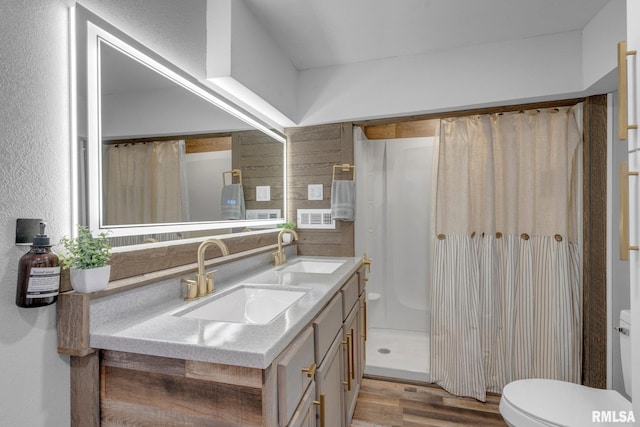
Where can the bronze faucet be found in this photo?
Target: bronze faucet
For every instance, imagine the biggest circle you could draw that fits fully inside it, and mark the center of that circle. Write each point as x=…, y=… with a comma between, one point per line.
x=280, y=257
x=203, y=285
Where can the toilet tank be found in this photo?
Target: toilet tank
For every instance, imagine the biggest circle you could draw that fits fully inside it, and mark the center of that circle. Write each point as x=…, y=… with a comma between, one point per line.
x=625, y=348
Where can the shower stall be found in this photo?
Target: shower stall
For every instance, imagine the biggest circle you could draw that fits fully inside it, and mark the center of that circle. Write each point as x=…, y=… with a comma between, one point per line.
x=393, y=227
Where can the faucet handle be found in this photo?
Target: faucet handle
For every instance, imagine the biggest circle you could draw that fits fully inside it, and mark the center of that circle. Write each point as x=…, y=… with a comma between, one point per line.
x=192, y=289
x=278, y=258
x=210, y=285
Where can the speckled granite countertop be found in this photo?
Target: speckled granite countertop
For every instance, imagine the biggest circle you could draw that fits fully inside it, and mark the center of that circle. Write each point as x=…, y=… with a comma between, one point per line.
x=143, y=321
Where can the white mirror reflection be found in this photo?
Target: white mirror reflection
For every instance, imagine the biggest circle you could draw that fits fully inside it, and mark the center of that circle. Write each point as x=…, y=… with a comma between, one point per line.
x=165, y=157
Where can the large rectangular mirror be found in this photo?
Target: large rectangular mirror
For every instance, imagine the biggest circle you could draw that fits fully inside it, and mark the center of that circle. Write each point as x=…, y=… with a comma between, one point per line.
x=160, y=156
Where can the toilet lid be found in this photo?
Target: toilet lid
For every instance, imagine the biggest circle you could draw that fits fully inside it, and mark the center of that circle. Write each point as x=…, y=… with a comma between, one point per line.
x=562, y=403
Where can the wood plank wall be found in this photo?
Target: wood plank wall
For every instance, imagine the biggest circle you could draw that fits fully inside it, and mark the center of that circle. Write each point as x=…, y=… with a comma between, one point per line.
x=260, y=158
x=312, y=152
x=594, y=269
x=143, y=261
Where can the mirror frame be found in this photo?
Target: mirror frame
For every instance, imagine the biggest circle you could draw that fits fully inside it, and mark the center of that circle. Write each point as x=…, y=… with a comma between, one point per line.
x=98, y=31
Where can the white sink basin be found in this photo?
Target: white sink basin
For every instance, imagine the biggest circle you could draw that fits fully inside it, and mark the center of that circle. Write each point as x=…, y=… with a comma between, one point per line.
x=312, y=266
x=245, y=304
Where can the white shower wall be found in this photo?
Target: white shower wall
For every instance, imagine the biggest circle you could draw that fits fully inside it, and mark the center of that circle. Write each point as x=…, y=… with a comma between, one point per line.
x=393, y=226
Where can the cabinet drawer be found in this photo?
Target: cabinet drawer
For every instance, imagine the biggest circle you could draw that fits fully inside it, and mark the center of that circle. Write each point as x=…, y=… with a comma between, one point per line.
x=349, y=295
x=326, y=326
x=294, y=368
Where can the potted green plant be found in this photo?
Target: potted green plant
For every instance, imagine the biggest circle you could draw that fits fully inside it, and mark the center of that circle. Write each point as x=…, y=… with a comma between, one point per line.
x=287, y=237
x=86, y=258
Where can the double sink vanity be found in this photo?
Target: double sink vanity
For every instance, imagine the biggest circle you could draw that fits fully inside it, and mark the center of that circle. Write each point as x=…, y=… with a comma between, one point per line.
x=272, y=346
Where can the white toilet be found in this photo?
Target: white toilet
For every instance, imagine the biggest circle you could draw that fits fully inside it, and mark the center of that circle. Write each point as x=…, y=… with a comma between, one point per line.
x=541, y=402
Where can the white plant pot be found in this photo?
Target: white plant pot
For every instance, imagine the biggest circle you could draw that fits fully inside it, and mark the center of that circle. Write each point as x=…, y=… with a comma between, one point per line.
x=89, y=280
x=287, y=237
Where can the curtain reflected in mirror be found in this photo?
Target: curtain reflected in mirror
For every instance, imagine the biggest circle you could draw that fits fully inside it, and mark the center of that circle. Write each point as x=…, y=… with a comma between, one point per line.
x=145, y=183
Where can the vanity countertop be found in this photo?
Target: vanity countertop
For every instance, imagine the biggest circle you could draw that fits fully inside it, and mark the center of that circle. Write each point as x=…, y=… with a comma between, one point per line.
x=154, y=329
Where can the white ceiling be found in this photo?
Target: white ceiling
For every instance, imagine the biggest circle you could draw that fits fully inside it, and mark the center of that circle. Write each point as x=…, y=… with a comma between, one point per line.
x=321, y=33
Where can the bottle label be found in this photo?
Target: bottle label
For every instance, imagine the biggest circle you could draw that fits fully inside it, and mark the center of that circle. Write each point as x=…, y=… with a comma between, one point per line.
x=44, y=282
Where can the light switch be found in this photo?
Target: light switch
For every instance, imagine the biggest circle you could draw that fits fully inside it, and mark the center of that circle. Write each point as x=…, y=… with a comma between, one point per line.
x=263, y=193
x=315, y=192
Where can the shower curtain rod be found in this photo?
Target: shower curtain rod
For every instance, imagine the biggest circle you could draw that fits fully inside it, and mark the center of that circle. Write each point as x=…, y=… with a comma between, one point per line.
x=471, y=112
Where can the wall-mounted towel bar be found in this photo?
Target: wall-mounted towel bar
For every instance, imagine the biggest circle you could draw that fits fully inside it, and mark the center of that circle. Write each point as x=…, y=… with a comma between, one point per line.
x=345, y=167
x=232, y=173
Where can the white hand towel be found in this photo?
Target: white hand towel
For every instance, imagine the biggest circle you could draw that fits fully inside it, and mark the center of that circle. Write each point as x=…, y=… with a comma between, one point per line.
x=343, y=200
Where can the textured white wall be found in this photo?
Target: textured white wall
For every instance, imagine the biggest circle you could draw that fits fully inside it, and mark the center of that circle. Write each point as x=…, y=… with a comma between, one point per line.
x=34, y=171
x=34, y=177
x=174, y=29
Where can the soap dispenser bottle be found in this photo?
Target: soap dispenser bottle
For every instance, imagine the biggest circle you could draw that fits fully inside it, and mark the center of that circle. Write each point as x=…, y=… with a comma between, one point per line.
x=38, y=274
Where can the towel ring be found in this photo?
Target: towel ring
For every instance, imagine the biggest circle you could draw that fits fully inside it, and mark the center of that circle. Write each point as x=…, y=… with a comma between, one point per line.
x=234, y=172
x=346, y=167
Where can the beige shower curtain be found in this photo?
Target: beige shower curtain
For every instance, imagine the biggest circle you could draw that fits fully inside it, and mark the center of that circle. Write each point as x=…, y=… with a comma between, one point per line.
x=143, y=183
x=506, y=291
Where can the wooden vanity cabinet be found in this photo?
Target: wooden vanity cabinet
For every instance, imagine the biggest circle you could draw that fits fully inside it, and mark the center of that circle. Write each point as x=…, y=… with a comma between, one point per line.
x=136, y=389
x=323, y=364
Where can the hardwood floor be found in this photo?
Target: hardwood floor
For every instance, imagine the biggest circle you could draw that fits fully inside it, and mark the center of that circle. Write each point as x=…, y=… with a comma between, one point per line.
x=391, y=404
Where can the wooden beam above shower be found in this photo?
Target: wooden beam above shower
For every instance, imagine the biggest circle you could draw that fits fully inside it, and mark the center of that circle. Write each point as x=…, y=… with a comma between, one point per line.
x=409, y=129
x=426, y=124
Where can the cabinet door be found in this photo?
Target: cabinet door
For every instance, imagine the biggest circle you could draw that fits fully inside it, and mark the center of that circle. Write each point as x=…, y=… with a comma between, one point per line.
x=305, y=415
x=326, y=326
x=295, y=373
x=329, y=387
x=350, y=333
